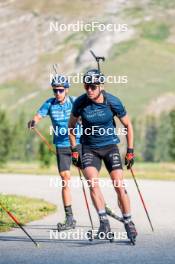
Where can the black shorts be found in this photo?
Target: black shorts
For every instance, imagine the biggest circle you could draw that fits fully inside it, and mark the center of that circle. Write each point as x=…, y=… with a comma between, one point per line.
x=64, y=159
x=92, y=157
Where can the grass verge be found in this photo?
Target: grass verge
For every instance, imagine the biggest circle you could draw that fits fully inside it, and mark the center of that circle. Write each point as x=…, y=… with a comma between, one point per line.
x=24, y=209
x=143, y=170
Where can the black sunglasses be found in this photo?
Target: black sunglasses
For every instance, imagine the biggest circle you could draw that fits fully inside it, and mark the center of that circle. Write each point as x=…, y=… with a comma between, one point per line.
x=58, y=91
x=93, y=87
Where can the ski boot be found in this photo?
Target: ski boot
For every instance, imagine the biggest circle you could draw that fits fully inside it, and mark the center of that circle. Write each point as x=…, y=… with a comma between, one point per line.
x=131, y=231
x=69, y=223
x=103, y=233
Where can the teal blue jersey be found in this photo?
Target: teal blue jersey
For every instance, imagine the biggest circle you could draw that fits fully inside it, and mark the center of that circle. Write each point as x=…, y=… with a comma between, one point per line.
x=59, y=115
x=97, y=117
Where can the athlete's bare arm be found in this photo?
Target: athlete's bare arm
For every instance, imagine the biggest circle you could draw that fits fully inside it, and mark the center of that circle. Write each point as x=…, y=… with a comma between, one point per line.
x=72, y=123
x=130, y=134
x=37, y=118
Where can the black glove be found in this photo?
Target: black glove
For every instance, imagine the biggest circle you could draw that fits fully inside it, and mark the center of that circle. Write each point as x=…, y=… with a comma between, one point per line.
x=129, y=158
x=75, y=157
x=31, y=124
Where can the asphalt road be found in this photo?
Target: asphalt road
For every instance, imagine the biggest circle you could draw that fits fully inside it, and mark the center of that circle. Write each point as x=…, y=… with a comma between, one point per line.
x=157, y=247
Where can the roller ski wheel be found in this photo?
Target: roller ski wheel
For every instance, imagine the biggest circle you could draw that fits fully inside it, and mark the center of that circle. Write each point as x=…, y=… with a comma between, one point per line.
x=133, y=241
x=131, y=232
x=90, y=235
x=67, y=225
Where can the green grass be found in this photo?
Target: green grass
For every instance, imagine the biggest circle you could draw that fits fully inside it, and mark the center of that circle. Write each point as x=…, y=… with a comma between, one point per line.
x=148, y=60
x=24, y=209
x=136, y=11
x=12, y=91
x=148, y=64
x=122, y=48
x=15, y=97
x=163, y=3
x=71, y=9
x=154, y=171
x=148, y=171
x=155, y=30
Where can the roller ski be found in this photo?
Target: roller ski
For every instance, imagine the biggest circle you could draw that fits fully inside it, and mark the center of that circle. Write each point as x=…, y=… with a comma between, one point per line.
x=129, y=226
x=69, y=223
x=103, y=233
x=131, y=231
x=112, y=214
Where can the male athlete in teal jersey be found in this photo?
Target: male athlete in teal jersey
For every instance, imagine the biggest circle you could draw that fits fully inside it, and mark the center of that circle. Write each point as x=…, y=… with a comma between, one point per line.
x=58, y=108
x=97, y=109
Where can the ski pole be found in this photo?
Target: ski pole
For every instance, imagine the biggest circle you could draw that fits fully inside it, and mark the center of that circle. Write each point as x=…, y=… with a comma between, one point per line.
x=55, y=66
x=18, y=223
x=97, y=58
x=85, y=197
x=141, y=197
x=44, y=140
